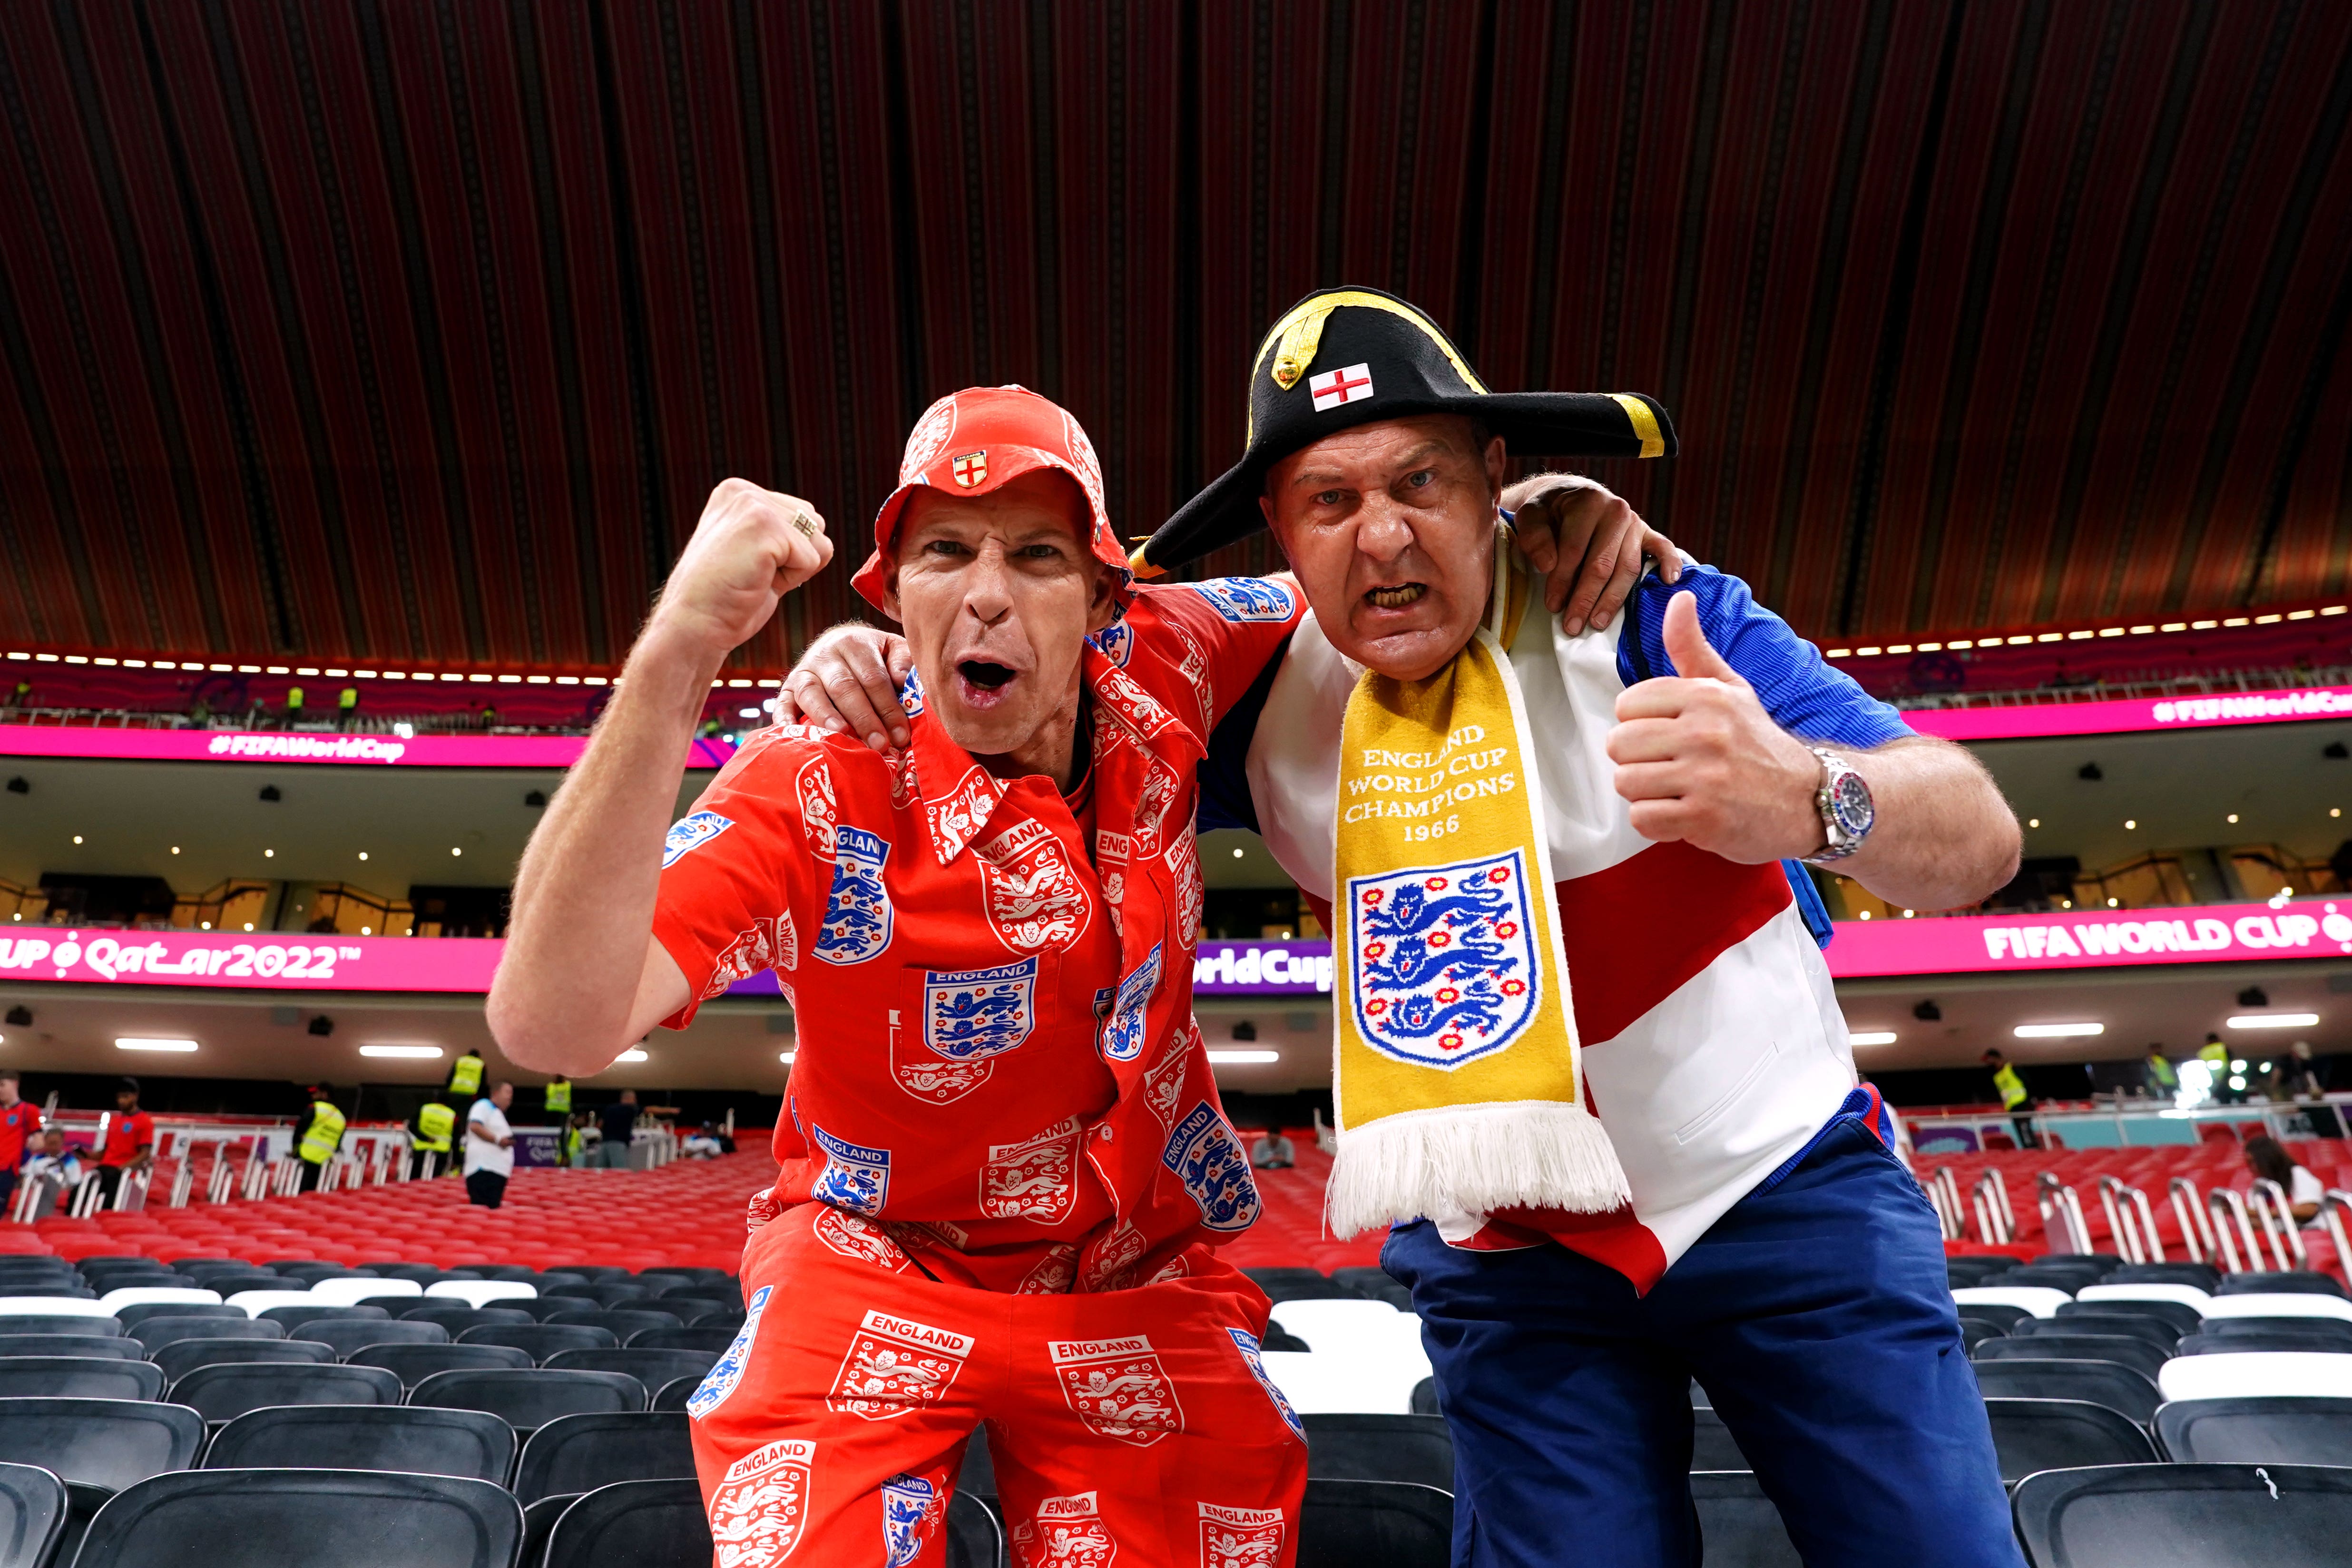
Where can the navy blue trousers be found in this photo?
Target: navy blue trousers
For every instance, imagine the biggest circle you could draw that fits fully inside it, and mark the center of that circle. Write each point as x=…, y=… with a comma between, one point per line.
x=1817, y=1315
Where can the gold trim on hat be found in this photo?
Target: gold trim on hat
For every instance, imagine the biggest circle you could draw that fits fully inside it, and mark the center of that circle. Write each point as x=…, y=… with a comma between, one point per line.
x=1300, y=335
x=1142, y=568
x=1644, y=422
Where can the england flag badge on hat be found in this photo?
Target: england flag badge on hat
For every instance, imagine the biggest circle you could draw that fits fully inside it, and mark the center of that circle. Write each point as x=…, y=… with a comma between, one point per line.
x=1348, y=384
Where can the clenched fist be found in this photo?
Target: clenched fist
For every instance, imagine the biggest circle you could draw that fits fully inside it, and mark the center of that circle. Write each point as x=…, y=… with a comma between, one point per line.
x=751, y=547
x=1703, y=761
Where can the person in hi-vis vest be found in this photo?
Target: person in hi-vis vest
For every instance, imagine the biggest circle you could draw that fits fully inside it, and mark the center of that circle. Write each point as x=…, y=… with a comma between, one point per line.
x=2013, y=1099
x=465, y=1075
x=2163, y=1081
x=318, y=1136
x=559, y=1096
x=2216, y=1057
x=430, y=1138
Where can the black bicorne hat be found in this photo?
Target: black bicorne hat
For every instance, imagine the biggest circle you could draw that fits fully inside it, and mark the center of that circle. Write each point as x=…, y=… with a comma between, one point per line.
x=1343, y=357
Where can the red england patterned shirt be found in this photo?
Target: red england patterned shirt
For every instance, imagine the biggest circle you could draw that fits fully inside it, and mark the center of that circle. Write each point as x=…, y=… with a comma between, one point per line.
x=996, y=1070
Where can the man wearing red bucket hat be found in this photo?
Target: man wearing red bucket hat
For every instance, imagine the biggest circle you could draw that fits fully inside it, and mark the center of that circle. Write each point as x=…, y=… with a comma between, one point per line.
x=1003, y=1160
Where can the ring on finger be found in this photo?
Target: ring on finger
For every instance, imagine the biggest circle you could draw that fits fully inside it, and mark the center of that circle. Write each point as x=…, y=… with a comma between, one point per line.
x=805, y=524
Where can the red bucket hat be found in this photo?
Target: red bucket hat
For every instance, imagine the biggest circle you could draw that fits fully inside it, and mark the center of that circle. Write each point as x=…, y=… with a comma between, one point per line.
x=973, y=441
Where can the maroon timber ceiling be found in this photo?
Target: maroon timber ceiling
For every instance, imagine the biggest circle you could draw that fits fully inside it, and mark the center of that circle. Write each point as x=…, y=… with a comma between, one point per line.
x=418, y=329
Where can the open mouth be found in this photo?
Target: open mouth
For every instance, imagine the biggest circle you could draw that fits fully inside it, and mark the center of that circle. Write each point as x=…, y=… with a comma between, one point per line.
x=1397, y=597
x=985, y=675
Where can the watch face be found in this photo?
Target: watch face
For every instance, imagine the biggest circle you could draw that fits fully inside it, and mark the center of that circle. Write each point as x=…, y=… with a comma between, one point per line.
x=1850, y=799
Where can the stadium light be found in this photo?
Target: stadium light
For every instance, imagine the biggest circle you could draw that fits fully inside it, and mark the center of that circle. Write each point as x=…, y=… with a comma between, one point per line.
x=135, y=1043
x=2057, y=1031
x=1224, y=1056
x=634, y=1054
x=1872, y=1036
x=2274, y=1020
x=786, y=1056
x=410, y=1053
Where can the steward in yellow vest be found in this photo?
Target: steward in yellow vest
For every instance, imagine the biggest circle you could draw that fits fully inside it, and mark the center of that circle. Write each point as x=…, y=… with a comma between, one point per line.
x=465, y=1077
x=320, y=1135
x=558, y=1096
x=435, y=1123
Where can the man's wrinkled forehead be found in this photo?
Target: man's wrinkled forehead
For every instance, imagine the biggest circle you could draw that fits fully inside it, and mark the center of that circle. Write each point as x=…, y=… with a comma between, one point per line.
x=1396, y=443
x=1043, y=502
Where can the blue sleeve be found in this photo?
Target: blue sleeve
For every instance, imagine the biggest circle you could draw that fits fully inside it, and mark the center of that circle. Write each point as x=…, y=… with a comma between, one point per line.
x=1809, y=902
x=1797, y=686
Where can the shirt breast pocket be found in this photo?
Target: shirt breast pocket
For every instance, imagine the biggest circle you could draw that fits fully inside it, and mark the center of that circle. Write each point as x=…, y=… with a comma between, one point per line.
x=952, y=1025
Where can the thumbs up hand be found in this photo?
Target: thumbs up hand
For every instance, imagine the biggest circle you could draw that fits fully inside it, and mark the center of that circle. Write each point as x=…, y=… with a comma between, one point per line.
x=1701, y=760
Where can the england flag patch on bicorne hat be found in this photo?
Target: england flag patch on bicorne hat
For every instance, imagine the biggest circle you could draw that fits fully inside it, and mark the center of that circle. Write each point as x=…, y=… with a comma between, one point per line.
x=1348, y=384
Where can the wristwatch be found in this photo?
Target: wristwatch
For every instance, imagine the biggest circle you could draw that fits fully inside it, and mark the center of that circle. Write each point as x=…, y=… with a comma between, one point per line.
x=1843, y=801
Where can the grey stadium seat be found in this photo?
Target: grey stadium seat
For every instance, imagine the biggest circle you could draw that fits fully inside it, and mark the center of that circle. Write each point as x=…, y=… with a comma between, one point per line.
x=2185, y=1516
x=1712, y=1444
x=2030, y=1434
x=355, y=1333
x=157, y=1331
x=358, y=1519
x=622, y=1320
x=414, y=1364
x=32, y=1515
x=106, y=1442
x=542, y=1340
x=113, y=1346
x=2302, y=1280
x=2117, y=1387
x=673, y=1395
x=2267, y=1430
x=529, y=1398
x=1352, y=1524
x=2131, y=1325
x=181, y=1357
x=2180, y=1317
x=423, y=1439
x=713, y=1340
x=224, y=1392
x=1416, y=1448
x=2288, y=1339
x=2122, y=1349
x=651, y=1367
x=140, y=1313
x=575, y=1454
x=79, y=1377
x=2333, y=1329
x=291, y=1319
x=1739, y=1526
x=58, y=1323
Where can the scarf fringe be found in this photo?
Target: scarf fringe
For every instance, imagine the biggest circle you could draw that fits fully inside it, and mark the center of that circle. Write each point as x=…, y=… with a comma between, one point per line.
x=1473, y=1159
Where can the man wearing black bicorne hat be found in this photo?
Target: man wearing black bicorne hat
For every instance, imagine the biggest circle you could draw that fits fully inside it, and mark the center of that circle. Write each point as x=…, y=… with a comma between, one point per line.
x=1548, y=848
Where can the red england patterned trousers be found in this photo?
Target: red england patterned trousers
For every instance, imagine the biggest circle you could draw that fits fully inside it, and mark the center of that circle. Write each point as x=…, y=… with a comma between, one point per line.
x=1134, y=1425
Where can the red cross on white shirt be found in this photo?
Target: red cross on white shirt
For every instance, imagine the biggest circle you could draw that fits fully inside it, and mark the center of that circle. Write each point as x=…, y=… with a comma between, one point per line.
x=1348, y=384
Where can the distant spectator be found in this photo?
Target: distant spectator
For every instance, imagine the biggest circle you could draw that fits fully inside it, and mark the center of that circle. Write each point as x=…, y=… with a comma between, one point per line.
x=293, y=706
x=575, y=1138
x=2162, y=1078
x=2268, y=1160
x=130, y=1141
x=2014, y=1098
x=19, y=1124
x=53, y=1171
x=428, y=1137
x=2216, y=1057
x=24, y=697
x=619, y=1122
x=347, y=706
x=1273, y=1151
x=701, y=1144
x=490, y=1147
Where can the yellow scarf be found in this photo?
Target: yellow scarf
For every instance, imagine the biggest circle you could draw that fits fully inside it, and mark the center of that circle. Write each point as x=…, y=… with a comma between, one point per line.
x=1454, y=1083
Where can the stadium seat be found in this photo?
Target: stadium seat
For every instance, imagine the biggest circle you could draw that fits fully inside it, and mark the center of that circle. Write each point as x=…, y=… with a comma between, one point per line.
x=2253, y=1373
x=582, y=1453
x=1963, y=1271
x=2240, y=1341
x=29, y=1295
x=2296, y=1282
x=414, y=1364
x=634, y=1524
x=1370, y=1524
x=1423, y=1399
x=728, y=1317
x=542, y=1340
x=481, y=1292
x=2030, y=1434
x=85, y=1306
x=538, y=1524
x=714, y=1340
x=2174, y=1316
x=34, y=1323
x=2193, y=1297
x=2257, y=1431
x=32, y=1509
x=357, y=1333
x=361, y=1519
x=254, y=1303
x=456, y=1317
x=1998, y=1312
x=158, y=1331
x=1417, y=1448
x=2200, y=1276
x=1712, y=1446
x=291, y=1319
x=1318, y=1384
x=622, y=1320
x=2117, y=1387
x=104, y=1442
x=2112, y=1322
x=529, y=1397
x=157, y=1295
x=421, y=1439
x=79, y=1377
x=2279, y=1304
x=2122, y=1349
x=181, y=1357
x=673, y=1395
x=591, y=1273
x=542, y=1307
x=2039, y=1301
x=1975, y=1331
x=2325, y=1333
x=651, y=1367
x=227, y=1390
x=113, y=1345
x=350, y=1292
x=2185, y=1515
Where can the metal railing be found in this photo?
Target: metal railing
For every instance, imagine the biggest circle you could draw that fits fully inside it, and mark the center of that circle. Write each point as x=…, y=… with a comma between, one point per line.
x=2285, y=1237
x=2196, y=1226
x=1944, y=1196
x=2130, y=1222
x=1996, y=1220
x=2201, y=683
x=2062, y=1211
